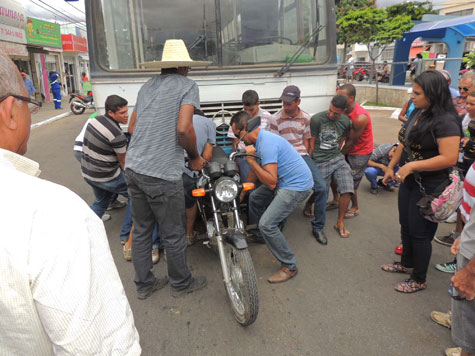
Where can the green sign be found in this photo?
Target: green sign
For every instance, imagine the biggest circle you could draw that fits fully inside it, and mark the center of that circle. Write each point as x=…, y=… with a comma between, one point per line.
x=42, y=33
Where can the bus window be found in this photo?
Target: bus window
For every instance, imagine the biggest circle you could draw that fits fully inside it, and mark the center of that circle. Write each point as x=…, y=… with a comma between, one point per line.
x=128, y=33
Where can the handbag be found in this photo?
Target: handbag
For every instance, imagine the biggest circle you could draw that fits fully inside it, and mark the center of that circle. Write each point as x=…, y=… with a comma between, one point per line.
x=446, y=198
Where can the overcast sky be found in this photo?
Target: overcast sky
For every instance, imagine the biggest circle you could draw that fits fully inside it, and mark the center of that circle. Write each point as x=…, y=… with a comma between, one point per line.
x=61, y=11
x=55, y=10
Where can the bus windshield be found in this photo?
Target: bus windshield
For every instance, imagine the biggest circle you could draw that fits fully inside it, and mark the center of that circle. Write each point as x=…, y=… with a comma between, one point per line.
x=128, y=33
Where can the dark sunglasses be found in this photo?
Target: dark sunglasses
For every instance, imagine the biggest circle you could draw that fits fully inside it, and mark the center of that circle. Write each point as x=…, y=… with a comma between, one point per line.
x=464, y=89
x=33, y=104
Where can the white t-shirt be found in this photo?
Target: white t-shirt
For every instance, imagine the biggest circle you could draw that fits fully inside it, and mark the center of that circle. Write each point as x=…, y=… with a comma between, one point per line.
x=60, y=292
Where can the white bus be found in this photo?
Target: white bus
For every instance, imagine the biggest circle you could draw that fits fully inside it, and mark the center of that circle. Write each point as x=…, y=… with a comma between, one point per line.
x=263, y=45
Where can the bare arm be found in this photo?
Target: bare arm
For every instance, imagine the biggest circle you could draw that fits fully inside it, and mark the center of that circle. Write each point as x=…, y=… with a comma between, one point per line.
x=377, y=165
x=311, y=146
x=121, y=158
x=133, y=118
x=356, y=130
x=207, y=152
x=306, y=143
x=389, y=173
x=187, y=136
x=267, y=174
x=402, y=115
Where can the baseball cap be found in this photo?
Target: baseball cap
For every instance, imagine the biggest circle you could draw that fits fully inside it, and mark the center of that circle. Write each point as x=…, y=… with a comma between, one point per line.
x=290, y=93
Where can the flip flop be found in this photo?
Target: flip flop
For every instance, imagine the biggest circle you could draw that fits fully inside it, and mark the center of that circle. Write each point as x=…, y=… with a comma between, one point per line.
x=351, y=214
x=331, y=205
x=342, y=231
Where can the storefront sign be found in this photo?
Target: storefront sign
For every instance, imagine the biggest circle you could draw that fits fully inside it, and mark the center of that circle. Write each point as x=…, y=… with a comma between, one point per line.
x=12, y=14
x=12, y=34
x=42, y=33
x=74, y=43
x=13, y=49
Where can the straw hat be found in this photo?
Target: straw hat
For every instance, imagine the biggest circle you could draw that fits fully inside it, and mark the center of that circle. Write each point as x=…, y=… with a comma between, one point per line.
x=175, y=55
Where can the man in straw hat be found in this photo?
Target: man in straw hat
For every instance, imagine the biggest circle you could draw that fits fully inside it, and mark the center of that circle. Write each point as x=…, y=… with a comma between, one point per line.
x=161, y=127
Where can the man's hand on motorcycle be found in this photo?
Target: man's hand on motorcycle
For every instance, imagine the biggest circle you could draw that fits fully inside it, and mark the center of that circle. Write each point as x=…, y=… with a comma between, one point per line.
x=251, y=150
x=197, y=164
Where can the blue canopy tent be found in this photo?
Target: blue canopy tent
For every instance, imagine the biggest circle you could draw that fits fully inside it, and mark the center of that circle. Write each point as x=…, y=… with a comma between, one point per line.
x=452, y=32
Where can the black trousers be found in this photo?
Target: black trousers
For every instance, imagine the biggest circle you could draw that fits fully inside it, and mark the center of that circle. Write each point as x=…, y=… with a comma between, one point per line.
x=416, y=231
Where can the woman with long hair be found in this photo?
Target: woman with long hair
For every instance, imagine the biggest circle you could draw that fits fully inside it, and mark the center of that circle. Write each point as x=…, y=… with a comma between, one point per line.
x=429, y=145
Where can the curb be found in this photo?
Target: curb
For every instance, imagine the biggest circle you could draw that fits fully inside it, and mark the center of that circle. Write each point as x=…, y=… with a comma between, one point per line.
x=49, y=121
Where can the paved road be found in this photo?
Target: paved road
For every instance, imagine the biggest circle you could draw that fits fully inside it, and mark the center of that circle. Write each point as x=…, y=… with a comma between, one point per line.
x=340, y=303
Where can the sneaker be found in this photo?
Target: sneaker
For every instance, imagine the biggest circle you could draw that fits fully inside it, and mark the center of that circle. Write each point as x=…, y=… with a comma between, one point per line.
x=116, y=204
x=384, y=186
x=453, y=351
x=155, y=256
x=158, y=284
x=374, y=191
x=443, y=319
x=410, y=286
x=449, y=267
x=106, y=217
x=447, y=240
x=197, y=283
x=127, y=254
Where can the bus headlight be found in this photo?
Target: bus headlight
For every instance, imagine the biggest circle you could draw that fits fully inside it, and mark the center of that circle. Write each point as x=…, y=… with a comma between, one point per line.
x=226, y=190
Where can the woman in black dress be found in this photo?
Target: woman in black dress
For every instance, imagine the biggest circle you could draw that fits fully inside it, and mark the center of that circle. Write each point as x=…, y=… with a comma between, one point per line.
x=429, y=145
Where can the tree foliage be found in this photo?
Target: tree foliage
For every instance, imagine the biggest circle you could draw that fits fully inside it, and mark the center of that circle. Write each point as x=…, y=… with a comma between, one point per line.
x=414, y=9
x=469, y=60
x=346, y=6
x=373, y=27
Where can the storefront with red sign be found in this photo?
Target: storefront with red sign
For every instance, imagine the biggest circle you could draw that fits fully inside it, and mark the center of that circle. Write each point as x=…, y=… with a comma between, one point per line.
x=76, y=61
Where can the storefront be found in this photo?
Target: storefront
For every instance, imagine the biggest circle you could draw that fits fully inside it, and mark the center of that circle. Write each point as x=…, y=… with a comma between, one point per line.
x=74, y=54
x=45, y=49
x=12, y=34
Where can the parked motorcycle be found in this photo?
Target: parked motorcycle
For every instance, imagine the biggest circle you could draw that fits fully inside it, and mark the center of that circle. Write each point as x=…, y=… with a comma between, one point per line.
x=218, y=191
x=79, y=103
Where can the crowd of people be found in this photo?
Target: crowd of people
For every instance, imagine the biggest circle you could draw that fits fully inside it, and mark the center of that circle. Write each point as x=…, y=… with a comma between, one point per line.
x=302, y=157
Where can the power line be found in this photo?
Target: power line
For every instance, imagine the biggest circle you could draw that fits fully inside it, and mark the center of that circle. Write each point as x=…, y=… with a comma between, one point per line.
x=56, y=12
x=74, y=7
x=64, y=17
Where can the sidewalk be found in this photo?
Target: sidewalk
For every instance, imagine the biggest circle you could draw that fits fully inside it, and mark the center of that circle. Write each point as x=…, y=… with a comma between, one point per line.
x=48, y=112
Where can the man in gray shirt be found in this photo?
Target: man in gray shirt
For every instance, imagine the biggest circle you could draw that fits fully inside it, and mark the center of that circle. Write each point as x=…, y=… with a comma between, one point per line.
x=161, y=127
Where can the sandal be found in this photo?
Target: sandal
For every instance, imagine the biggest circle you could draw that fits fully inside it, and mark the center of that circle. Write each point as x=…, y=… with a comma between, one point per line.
x=396, y=267
x=351, y=213
x=307, y=211
x=331, y=205
x=410, y=286
x=342, y=231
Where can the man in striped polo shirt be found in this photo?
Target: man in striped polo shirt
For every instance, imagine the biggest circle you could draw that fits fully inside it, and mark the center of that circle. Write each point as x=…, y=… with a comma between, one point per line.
x=293, y=124
x=103, y=158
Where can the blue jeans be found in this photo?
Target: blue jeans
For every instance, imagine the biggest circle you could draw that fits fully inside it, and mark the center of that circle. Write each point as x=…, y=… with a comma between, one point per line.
x=372, y=174
x=320, y=195
x=269, y=210
x=103, y=193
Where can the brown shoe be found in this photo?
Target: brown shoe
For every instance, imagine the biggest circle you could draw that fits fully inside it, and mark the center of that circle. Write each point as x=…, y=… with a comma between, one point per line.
x=283, y=275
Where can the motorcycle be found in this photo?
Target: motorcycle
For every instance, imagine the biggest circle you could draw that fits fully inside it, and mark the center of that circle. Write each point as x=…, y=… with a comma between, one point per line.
x=218, y=191
x=79, y=103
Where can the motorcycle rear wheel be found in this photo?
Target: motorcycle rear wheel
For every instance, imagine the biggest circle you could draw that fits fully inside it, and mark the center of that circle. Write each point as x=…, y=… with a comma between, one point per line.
x=242, y=289
x=77, y=110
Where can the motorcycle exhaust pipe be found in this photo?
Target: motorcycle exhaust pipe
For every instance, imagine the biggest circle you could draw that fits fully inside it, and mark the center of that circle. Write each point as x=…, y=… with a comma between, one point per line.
x=78, y=103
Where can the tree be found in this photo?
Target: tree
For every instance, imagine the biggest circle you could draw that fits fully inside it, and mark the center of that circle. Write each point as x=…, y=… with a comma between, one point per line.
x=343, y=8
x=469, y=60
x=414, y=9
x=376, y=29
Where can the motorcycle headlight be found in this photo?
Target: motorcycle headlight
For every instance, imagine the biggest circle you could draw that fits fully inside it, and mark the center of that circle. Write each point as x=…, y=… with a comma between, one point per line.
x=226, y=190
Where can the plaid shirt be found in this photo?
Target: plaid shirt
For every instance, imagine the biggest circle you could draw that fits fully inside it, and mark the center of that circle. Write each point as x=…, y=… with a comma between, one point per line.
x=293, y=129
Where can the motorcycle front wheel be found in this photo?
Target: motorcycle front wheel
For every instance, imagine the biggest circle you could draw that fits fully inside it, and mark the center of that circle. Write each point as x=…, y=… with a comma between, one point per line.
x=76, y=109
x=242, y=288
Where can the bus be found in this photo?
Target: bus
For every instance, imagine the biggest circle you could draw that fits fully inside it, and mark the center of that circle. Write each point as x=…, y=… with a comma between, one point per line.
x=263, y=45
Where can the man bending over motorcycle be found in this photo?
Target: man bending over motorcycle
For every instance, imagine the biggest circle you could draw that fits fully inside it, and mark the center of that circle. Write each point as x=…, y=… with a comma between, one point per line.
x=205, y=131
x=287, y=181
